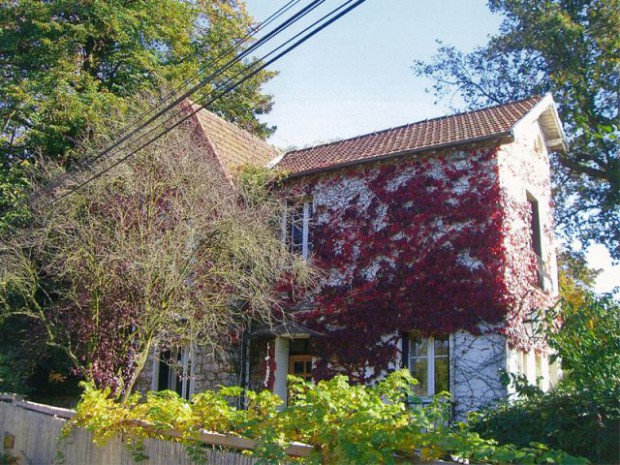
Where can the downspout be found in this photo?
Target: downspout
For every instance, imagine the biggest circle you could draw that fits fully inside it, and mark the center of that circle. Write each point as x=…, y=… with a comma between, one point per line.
x=244, y=374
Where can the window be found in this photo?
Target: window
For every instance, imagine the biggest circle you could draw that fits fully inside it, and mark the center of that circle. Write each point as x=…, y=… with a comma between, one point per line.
x=535, y=231
x=297, y=233
x=176, y=371
x=300, y=366
x=536, y=242
x=300, y=361
x=429, y=363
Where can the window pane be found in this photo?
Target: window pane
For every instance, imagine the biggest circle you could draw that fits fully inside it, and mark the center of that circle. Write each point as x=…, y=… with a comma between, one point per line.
x=298, y=368
x=296, y=234
x=441, y=347
x=295, y=225
x=442, y=377
x=419, y=370
x=309, y=226
x=419, y=348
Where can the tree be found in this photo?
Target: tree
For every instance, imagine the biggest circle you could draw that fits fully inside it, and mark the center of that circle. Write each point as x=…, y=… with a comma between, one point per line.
x=571, y=48
x=67, y=67
x=576, y=278
x=65, y=63
x=588, y=343
x=13, y=188
x=162, y=252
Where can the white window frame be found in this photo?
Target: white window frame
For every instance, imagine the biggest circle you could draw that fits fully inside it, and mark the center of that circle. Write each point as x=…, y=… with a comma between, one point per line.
x=307, y=213
x=186, y=360
x=430, y=361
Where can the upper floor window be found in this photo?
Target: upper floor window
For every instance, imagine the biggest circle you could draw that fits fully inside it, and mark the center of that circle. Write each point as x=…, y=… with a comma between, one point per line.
x=429, y=363
x=535, y=230
x=297, y=225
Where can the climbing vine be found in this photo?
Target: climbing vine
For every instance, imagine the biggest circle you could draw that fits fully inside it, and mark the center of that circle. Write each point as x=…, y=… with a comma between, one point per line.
x=426, y=244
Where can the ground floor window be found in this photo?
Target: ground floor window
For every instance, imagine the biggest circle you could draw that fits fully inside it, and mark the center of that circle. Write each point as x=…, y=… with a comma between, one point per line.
x=429, y=363
x=176, y=371
x=301, y=366
x=300, y=360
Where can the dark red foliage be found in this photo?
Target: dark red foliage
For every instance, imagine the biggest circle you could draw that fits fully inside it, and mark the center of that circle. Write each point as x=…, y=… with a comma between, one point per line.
x=422, y=245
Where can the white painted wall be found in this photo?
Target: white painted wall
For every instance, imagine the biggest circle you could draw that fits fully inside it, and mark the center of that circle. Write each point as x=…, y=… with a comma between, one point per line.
x=475, y=363
x=281, y=355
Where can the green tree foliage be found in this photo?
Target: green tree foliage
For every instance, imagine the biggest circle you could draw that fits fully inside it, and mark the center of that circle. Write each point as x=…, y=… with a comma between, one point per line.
x=13, y=187
x=588, y=343
x=65, y=63
x=571, y=48
x=345, y=424
x=576, y=278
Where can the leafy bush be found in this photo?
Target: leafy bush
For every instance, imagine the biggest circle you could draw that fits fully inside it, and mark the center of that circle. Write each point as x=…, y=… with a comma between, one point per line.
x=582, y=423
x=344, y=424
x=582, y=414
x=588, y=342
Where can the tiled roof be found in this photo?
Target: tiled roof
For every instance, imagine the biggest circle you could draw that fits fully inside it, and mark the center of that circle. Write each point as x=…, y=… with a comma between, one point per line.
x=425, y=135
x=233, y=146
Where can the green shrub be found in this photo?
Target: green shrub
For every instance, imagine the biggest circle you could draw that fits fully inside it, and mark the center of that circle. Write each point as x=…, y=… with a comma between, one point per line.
x=584, y=423
x=588, y=342
x=582, y=414
x=344, y=424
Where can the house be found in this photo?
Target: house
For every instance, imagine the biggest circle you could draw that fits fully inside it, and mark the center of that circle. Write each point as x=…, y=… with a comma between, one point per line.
x=436, y=243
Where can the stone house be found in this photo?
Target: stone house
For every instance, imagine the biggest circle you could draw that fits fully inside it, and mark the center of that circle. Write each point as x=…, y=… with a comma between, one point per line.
x=436, y=244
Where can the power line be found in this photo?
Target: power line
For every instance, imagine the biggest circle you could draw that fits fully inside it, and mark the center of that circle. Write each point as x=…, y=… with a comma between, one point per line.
x=301, y=37
x=238, y=45
x=205, y=80
x=229, y=64
x=228, y=87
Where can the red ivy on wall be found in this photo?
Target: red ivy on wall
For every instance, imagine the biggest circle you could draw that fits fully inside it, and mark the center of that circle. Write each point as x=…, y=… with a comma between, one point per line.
x=418, y=244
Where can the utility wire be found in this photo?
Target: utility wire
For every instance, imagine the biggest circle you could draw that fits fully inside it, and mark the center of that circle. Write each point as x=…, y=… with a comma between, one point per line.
x=230, y=84
x=214, y=61
x=204, y=81
x=301, y=37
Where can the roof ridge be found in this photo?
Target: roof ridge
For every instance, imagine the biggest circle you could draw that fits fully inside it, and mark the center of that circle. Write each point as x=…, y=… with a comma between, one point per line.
x=428, y=120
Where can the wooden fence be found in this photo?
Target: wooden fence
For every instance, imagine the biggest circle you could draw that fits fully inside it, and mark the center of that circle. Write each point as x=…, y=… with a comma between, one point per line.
x=31, y=432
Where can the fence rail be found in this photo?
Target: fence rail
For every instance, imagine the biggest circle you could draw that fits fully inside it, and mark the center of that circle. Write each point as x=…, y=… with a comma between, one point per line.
x=31, y=432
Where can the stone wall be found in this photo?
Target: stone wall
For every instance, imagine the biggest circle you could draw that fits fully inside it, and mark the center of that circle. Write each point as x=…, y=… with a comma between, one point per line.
x=212, y=369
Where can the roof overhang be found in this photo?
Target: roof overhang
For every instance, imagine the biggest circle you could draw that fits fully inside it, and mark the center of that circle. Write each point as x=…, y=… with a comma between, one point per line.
x=546, y=113
x=290, y=330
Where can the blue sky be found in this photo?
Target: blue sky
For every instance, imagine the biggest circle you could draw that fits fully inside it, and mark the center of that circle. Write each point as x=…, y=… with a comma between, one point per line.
x=355, y=77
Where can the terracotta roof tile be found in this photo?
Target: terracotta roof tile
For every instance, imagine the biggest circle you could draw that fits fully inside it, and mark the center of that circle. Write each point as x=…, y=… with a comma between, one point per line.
x=233, y=146
x=421, y=136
